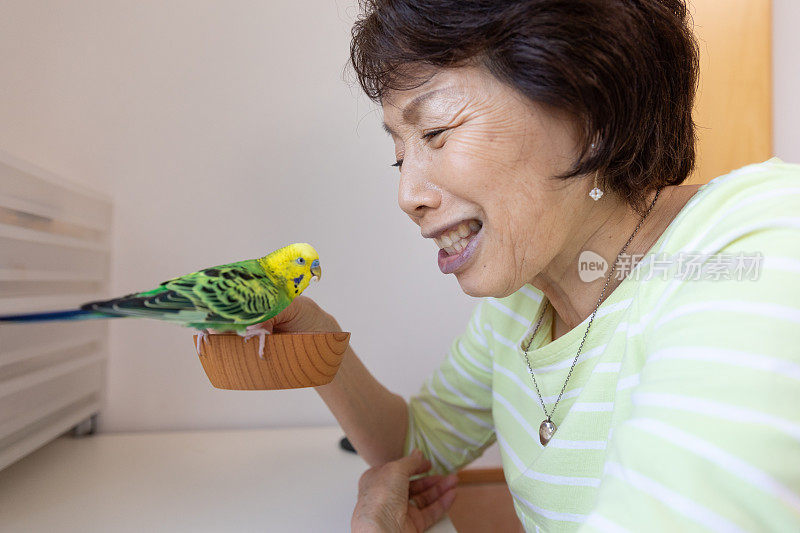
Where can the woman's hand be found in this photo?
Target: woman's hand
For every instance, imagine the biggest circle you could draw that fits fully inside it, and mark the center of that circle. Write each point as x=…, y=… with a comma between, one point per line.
x=389, y=503
x=303, y=314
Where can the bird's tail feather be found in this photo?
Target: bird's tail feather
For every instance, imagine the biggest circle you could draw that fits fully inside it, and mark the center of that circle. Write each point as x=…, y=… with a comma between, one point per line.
x=72, y=314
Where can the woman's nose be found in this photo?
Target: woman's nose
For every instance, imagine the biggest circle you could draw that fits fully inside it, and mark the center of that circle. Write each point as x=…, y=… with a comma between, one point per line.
x=416, y=193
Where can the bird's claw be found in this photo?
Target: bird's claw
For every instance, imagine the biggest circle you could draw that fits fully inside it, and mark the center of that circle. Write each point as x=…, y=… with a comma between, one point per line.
x=256, y=331
x=202, y=335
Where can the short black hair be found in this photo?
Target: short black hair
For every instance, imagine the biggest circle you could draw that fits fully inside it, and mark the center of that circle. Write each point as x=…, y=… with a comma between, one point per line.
x=625, y=69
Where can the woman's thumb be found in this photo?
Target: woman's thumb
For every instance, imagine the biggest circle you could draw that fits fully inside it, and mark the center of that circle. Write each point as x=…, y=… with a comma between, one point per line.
x=415, y=463
x=303, y=314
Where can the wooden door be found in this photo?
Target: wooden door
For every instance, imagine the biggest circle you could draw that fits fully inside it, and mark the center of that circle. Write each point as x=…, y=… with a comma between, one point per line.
x=733, y=110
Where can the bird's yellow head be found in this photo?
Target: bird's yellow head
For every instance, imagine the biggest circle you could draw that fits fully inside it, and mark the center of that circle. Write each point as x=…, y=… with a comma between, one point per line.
x=295, y=265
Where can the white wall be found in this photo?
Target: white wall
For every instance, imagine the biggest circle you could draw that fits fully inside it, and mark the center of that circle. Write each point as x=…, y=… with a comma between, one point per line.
x=786, y=79
x=224, y=130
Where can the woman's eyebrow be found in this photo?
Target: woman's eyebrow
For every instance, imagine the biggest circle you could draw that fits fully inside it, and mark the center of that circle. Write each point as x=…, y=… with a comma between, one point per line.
x=410, y=113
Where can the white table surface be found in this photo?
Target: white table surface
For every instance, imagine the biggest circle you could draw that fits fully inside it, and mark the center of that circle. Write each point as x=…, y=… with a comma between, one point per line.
x=244, y=480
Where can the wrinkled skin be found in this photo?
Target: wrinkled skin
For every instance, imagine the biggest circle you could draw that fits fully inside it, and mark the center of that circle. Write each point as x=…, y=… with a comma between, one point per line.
x=389, y=502
x=494, y=162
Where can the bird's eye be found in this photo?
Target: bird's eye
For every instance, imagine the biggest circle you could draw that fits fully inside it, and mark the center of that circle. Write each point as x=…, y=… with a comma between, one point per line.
x=301, y=261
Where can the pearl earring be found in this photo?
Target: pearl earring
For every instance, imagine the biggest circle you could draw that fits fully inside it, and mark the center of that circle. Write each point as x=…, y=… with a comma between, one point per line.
x=595, y=194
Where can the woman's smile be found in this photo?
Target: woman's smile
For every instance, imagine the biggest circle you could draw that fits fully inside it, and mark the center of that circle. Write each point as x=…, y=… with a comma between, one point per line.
x=458, y=246
x=492, y=162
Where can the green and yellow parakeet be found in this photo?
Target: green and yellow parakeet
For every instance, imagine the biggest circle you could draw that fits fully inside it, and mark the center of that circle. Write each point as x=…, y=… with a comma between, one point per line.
x=231, y=297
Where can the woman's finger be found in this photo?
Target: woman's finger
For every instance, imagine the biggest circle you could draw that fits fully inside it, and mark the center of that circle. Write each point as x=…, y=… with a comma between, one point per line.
x=423, y=483
x=286, y=316
x=413, y=463
x=436, y=510
x=434, y=492
x=303, y=314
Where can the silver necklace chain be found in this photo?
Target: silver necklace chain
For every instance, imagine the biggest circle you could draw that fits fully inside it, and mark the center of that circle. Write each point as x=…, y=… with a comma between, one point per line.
x=549, y=416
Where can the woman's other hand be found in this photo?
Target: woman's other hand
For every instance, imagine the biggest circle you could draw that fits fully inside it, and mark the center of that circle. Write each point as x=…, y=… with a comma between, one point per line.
x=389, y=502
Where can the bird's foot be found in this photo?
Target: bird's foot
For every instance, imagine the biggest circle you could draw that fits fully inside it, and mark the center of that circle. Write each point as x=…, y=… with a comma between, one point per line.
x=202, y=335
x=255, y=331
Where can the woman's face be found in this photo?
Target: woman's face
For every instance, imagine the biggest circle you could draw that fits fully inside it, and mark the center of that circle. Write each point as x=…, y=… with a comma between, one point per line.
x=477, y=157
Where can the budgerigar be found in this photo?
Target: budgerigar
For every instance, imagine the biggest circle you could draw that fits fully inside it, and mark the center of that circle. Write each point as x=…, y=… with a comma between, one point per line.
x=232, y=297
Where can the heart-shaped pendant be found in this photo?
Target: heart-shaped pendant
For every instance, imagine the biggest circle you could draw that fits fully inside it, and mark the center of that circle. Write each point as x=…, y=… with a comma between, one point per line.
x=546, y=431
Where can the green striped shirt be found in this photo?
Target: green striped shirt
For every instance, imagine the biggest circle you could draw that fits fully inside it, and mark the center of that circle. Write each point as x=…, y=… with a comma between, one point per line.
x=683, y=410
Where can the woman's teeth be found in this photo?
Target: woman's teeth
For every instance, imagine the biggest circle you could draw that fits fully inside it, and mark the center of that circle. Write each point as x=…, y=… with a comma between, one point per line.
x=456, y=240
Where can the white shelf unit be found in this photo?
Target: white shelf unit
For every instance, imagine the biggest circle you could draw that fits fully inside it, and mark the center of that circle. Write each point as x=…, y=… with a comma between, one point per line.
x=54, y=254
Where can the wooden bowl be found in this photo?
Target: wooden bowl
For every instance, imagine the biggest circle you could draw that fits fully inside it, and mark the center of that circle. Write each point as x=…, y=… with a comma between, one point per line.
x=291, y=360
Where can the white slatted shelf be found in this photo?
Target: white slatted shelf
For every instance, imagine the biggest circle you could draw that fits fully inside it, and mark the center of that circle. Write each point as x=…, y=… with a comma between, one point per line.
x=43, y=237
x=22, y=274
x=43, y=375
x=39, y=350
x=39, y=411
x=47, y=211
x=41, y=432
x=38, y=304
x=54, y=255
x=19, y=179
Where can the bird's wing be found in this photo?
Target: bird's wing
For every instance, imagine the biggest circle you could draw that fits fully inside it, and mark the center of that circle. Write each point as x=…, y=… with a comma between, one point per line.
x=238, y=293
x=160, y=303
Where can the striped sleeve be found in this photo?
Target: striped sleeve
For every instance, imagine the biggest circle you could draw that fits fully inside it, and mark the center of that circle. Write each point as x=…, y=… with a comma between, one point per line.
x=450, y=418
x=712, y=437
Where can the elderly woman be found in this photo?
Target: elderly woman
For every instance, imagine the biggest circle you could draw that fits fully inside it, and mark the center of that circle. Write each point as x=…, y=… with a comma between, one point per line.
x=634, y=351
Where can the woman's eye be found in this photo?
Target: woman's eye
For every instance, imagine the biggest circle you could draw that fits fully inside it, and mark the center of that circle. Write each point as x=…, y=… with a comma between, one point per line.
x=426, y=136
x=431, y=134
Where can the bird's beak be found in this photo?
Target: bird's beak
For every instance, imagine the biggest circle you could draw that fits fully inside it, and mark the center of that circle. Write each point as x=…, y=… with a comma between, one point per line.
x=316, y=270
